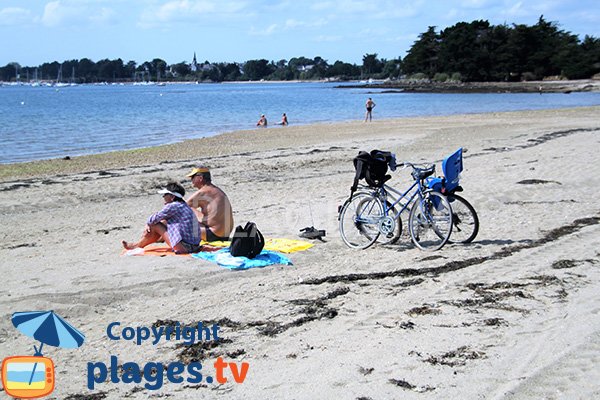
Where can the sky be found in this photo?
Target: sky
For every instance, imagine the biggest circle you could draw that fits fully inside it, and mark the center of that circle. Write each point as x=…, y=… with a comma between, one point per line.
x=36, y=31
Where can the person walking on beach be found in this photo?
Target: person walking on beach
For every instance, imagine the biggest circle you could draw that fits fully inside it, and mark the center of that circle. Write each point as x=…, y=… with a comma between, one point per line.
x=284, y=120
x=370, y=104
x=262, y=121
x=211, y=206
x=176, y=224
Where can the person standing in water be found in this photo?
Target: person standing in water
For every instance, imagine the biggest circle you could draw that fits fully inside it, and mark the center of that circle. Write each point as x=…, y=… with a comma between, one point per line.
x=370, y=104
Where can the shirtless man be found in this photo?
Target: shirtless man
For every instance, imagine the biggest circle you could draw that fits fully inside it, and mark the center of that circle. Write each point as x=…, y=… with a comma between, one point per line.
x=211, y=205
x=262, y=121
x=369, y=106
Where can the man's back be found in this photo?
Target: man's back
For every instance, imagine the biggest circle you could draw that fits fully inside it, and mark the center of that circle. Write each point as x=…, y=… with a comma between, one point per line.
x=213, y=209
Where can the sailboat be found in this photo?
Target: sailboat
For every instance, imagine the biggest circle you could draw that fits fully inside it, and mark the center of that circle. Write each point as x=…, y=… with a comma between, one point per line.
x=72, y=82
x=59, y=78
x=158, y=82
x=36, y=81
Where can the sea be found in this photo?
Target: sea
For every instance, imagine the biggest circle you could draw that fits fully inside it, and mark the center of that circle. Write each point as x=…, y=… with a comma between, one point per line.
x=39, y=122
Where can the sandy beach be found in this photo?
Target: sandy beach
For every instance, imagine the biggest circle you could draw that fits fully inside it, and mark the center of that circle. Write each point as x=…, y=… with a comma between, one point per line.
x=514, y=315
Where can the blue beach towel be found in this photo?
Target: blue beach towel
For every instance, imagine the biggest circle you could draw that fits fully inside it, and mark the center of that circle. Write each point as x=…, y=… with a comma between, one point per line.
x=226, y=260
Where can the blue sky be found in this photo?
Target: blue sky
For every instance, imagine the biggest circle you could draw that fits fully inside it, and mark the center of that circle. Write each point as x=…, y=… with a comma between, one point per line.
x=37, y=31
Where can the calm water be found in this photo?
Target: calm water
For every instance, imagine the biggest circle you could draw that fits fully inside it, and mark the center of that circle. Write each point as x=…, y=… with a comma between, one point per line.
x=45, y=122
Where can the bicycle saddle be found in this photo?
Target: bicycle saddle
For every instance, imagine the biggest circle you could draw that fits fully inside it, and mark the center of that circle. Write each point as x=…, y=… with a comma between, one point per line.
x=422, y=173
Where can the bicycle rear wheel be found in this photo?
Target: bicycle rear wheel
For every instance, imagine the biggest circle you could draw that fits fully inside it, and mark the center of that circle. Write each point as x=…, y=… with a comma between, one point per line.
x=359, y=221
x=430, y=221
x=465, y=223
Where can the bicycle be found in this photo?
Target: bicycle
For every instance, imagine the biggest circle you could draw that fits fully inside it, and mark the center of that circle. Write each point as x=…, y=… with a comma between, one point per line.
x=465, y=222
x=369, y=213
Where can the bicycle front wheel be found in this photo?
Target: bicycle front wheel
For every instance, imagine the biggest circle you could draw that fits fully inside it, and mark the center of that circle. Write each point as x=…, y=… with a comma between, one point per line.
x=465, y=223
x=430, y=221
x=359, y=221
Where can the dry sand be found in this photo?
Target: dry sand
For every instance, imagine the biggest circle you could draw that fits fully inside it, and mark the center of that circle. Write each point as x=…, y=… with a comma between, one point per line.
x=515, y=315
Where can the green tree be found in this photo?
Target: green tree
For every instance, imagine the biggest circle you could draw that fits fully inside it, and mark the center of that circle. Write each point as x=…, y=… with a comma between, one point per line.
x=257, y=69
x=465, y=47
x=160, y=68
x=231, y=71
x=181, y=69
x=423, y=55
x=591, y=56
x=110, y=70
x=87, y=70
x=392, y=68
x=10, y=71
x=343, y=70
x=371, y=65
x=130, y=69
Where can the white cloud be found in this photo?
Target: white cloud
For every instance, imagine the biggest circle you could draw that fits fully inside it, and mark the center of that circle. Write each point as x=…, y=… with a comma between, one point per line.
x=516, y=9
x=263, y=32
x=14, y=16
x=57, y=13
x=322, y=5
x=328, y=38
x=104, y=16
x=346, y=6
x=294, y=23
x=475, y=3
x=187, y=10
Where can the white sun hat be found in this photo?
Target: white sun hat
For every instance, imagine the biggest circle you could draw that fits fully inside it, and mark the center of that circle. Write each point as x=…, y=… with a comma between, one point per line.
x=166, y=191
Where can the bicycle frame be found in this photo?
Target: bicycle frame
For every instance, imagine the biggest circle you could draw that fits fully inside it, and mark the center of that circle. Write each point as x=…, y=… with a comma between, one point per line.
x=384, y=193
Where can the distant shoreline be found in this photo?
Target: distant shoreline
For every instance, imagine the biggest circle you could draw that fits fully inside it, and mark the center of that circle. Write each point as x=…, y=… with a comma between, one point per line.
x=585, y=85
x=402, y=86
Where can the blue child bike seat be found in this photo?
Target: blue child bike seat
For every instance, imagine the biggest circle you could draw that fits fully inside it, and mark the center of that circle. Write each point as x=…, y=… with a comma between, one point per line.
x=452, y=166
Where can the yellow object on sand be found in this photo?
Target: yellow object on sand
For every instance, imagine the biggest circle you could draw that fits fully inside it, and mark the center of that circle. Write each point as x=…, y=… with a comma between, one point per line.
x=281, y=245
x=216, y=243
x=287, y=245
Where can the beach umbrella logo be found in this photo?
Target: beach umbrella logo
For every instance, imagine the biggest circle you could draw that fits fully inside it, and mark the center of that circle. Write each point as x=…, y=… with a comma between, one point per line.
x=33, y=376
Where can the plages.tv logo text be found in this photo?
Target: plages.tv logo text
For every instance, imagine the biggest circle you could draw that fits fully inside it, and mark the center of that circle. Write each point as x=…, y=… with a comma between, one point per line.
x=155, y=373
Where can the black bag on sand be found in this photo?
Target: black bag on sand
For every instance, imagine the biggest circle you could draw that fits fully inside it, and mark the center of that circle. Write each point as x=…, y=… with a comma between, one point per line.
x=247, y=241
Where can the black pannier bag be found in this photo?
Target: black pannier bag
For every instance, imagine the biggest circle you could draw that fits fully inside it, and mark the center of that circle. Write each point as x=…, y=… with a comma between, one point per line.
x=247, y=241
x=372, y=167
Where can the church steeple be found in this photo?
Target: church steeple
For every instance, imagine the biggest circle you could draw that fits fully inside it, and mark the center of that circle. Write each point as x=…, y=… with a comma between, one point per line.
x=194, y=65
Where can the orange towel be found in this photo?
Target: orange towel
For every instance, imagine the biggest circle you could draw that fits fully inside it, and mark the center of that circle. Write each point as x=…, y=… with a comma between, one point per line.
x=161, y=250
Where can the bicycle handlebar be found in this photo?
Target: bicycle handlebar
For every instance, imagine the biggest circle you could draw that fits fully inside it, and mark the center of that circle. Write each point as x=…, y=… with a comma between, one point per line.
x=406, y=164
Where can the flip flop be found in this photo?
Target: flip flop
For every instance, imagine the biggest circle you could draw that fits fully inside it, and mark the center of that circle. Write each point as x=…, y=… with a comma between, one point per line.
x=312, y=233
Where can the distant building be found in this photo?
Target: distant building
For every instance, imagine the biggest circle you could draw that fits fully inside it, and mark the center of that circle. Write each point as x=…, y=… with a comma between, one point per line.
x=303, y=68
x=194, y=64
x=206, y=66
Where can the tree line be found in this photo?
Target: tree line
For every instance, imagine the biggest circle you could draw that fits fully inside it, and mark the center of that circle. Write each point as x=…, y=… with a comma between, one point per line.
x=467, y=51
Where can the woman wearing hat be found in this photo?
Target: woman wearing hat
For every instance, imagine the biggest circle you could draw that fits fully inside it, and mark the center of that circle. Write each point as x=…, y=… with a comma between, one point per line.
x=176, y=224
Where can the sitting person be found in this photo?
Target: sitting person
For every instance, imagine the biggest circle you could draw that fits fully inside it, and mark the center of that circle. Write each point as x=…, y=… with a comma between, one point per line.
x=211, y=205
x=284, y=120
x=262, y=121
x=176, y=224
